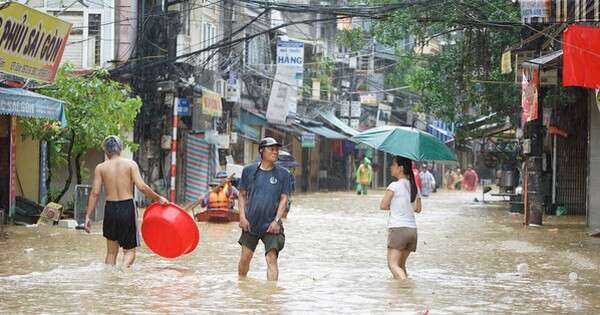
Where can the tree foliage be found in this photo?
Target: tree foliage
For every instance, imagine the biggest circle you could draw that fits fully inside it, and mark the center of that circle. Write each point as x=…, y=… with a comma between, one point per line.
x=463, y=71
x=95, y=107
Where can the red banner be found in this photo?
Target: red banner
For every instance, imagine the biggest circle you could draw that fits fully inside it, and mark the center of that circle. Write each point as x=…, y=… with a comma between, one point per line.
x=581, y=56
x=529, y=98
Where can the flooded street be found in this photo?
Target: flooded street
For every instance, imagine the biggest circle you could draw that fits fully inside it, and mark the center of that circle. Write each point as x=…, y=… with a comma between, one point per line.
x=333, y=262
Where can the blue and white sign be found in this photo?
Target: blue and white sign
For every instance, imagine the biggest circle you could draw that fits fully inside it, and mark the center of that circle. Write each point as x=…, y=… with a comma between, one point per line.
x=290, y=53
x=183, y=106
x=283, y=100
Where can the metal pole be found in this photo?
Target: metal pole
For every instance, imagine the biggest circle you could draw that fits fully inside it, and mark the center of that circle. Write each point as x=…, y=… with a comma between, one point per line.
x=526, y=194
x=385, y=167
x=172, y=193
x=554, y=170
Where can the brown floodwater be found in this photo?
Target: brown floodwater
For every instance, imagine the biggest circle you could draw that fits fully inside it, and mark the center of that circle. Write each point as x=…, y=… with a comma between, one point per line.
x=333, y=262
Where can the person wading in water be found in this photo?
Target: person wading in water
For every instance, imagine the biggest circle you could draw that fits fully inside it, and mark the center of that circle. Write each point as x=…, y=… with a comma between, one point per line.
x=264, y=191
x=118, y=176
x=403, y=200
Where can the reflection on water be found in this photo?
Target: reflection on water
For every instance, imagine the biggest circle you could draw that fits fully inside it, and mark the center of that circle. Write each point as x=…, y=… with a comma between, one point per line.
x=334, y=261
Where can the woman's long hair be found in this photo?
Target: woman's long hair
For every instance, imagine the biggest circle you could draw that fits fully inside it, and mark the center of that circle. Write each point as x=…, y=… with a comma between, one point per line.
x=408, y=172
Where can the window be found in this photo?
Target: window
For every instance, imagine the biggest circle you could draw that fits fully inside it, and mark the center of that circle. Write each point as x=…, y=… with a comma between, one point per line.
x=256, y=48
x=94, y=39
x=209, y=37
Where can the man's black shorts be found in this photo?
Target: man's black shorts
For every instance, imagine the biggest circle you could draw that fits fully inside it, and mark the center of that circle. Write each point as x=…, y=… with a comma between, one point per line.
x=120, y=223
x=271, y=241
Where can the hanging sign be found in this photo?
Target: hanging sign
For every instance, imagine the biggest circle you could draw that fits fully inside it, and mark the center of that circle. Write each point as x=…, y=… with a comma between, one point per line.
x=183, y=107
x=506, y=64
x=535, y=8
x=308, y=140
x=211, y=103
x=284, y=92
x=31, y=42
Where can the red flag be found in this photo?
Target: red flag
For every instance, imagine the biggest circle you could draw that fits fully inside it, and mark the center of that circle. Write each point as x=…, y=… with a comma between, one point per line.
x=581, y=56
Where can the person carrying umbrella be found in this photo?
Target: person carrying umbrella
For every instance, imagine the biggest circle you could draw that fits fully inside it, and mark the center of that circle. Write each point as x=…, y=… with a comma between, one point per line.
x=402, y=199
x=364, y=175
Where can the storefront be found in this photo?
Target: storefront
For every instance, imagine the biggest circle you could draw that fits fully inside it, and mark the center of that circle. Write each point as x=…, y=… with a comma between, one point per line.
x=16, y=102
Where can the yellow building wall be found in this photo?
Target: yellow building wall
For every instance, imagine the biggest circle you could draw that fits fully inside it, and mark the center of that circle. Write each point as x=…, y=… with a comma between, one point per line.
x=27, y=166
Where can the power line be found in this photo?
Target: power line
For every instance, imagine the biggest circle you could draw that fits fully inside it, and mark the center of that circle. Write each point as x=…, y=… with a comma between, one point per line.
x=218, y=45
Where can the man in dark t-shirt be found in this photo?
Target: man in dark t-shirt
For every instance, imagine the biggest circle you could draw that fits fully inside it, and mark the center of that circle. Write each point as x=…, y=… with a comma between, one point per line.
x=264, y=190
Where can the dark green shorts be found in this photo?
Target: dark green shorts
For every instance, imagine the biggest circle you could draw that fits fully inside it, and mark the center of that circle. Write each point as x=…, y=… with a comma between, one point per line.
x=271, y=241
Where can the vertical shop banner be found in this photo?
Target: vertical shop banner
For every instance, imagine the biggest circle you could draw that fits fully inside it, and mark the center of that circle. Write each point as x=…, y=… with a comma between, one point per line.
x=505, y=66
x=598, y=99
x=529, y=99
x=43, y=190
x=31, y=42
x=383, y=115
x=12, y=166
x=355, y=109
x=345, y=109
x=233, y=88
x=284, y=92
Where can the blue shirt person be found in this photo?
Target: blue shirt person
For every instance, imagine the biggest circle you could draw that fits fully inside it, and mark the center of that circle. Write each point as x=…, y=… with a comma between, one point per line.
x=264, y=192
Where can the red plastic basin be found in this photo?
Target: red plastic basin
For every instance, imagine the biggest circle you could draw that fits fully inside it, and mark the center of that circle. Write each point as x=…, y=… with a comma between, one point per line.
x=169, y=231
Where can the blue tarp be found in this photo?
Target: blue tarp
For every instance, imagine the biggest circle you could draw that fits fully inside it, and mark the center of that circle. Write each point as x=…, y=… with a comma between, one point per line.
x=20, y=102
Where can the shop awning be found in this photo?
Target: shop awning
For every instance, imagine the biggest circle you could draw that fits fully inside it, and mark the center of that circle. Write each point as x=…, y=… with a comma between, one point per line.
x=251, y=118
x=546, y=60
x=20, y=102
x=330, y=118
x=286, y=129
x=325, y=132
x=247, y=131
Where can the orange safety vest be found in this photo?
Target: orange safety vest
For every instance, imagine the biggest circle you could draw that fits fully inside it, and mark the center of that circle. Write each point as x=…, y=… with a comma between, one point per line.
x=218, y=201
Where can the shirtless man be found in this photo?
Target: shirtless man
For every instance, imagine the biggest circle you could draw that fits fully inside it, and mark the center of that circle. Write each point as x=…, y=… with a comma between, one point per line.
x=118, y=175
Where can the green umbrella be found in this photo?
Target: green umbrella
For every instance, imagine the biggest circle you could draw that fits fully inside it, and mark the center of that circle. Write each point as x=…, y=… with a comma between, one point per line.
x=408, y=142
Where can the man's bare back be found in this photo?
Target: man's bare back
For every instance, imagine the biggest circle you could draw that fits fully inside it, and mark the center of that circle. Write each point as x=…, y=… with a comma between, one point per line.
x=117, y=178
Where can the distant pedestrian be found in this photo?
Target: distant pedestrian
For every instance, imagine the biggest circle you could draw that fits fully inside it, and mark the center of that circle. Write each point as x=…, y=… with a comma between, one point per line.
x=449, y=179
x=427, y=181
x=471, y=179
x=457, y=179
x=403, y=200
x=118, y=176
x=364, y=176
x=436, y=177
x=415, y=171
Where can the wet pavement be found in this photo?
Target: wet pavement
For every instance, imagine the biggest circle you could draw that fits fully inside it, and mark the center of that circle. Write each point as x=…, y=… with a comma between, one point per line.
x=333, y=262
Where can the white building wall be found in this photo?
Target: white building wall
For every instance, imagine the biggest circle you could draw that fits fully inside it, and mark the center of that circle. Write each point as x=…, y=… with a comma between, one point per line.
x=80, y=45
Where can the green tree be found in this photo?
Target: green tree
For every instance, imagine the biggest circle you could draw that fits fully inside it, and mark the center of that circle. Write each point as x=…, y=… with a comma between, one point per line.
x=96, y=107
x=464, y=72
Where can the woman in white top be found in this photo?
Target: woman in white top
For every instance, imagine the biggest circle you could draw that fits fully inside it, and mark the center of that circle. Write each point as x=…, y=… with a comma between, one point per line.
x=403, y=200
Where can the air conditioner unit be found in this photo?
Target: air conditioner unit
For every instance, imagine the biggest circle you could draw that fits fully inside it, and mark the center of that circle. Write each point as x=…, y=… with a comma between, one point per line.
x=221, y=87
